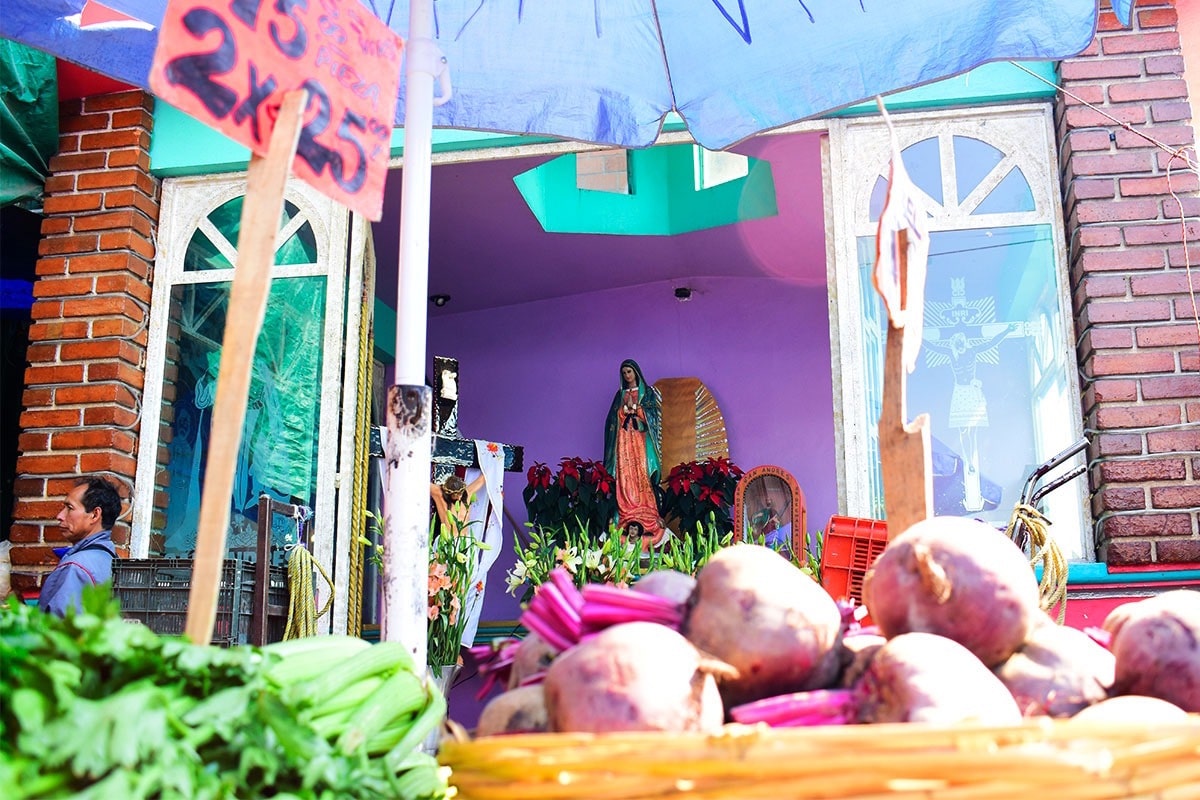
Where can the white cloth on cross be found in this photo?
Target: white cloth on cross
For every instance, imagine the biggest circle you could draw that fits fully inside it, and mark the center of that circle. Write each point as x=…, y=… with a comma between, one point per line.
x=491, y=462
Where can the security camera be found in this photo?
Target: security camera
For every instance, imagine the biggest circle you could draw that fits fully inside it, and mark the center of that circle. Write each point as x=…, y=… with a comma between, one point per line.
x=683, y=293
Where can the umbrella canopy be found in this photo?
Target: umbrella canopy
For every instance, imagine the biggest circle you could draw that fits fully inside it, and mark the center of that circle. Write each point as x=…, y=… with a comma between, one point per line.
x=609, y=72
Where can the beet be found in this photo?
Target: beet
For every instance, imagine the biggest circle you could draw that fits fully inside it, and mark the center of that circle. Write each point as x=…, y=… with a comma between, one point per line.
x=667, y=583
x=520, y=710
x=759, y=613
x=958, y=578
x=857, y=652
x=1156, y=642
x=922, y=677
x=1132, y=708
x=534, y=655
x=637, y=676
x=1057, y=672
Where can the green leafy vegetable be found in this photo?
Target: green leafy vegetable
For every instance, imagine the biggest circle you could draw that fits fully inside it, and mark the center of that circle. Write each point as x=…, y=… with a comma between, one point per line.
x=92, y=706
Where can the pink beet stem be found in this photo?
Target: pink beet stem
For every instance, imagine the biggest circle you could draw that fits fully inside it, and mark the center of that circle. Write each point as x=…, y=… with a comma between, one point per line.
x=551, y=603
x=597, y=619
x=1099, y=635
x=561, y=580
x=817, y=707
x=539, y=625
x=601, y=593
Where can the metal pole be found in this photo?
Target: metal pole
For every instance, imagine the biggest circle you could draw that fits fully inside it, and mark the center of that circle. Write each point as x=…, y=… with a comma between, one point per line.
x=408, y=448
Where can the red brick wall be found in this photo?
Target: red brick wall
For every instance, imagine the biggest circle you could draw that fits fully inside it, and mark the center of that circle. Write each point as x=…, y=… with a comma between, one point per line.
x=1138, y=354
x=87, y=348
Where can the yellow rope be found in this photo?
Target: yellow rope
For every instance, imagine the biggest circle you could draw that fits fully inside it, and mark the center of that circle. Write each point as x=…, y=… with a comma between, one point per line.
x=302, y=599
x=358, y=517
x=362, y=442
x=1043, y=549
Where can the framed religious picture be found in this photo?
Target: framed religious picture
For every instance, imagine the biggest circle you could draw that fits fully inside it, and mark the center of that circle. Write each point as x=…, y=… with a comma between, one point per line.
x=768, y=508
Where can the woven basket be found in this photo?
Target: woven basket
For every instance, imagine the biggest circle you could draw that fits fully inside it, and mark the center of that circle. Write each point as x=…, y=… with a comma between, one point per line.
x=1042, y=759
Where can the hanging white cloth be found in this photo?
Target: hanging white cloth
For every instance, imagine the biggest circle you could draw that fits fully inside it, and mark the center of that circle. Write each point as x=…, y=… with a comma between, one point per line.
x=491, y=462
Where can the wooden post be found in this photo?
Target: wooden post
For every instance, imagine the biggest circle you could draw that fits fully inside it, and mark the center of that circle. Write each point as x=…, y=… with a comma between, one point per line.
x=261, y=210
x=904, y=448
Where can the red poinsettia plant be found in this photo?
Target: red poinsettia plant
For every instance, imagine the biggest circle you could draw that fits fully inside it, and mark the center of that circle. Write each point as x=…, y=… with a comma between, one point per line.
x=700, y=492
x=581, y=495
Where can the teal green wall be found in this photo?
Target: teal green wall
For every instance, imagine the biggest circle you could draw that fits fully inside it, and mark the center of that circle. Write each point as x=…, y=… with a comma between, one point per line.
x=183, y=146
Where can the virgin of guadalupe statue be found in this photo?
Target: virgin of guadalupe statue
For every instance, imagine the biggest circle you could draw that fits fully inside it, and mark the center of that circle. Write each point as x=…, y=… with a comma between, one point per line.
x=632, y=440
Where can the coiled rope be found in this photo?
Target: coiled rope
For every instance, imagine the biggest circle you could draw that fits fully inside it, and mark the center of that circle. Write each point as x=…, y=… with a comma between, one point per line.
x=1052, y=588
x=302, y=599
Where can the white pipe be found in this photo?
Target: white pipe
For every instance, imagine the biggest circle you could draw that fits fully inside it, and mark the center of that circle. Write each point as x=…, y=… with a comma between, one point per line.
x=406, y=549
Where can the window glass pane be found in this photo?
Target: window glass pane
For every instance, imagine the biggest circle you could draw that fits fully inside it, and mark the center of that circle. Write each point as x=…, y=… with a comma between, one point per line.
x=202, y=253
x=992, y=371
x=279, y=439
x=973, y=161
x=1011, y=194
x=878, y=197
x=874, y=331
x=923, y=162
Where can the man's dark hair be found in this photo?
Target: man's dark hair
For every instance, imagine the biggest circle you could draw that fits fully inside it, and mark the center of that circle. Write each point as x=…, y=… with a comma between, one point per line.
x=101, y=494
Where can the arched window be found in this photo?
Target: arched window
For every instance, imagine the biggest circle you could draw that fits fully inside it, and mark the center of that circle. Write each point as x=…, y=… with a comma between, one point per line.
x=290, y=439
x=997, y=371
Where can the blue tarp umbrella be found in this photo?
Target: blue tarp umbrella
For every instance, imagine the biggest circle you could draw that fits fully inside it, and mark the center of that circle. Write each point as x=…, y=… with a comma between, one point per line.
x=609, y=71
x=605, y=72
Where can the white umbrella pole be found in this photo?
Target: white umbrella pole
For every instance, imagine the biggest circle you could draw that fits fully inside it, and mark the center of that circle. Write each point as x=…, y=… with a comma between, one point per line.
x=406, y=548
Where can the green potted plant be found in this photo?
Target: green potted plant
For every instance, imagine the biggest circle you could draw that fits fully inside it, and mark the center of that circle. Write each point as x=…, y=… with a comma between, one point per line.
x=699, y=491
x=581, y=495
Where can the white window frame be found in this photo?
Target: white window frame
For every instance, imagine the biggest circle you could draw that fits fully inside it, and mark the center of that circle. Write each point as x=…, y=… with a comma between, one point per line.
x=858, y=152
x=186, y=204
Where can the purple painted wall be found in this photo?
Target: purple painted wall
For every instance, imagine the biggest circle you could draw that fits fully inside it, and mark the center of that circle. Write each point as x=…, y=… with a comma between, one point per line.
x=543, y=374
x=540, y=324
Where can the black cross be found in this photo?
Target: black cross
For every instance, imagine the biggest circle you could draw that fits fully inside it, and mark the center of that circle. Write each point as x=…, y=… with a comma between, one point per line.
x=450, y=449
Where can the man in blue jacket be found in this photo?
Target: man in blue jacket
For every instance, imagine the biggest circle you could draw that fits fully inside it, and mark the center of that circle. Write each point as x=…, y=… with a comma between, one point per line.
x=88, y=514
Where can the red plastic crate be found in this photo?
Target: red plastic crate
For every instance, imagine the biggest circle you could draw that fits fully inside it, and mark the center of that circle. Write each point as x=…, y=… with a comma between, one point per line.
x=851, y=545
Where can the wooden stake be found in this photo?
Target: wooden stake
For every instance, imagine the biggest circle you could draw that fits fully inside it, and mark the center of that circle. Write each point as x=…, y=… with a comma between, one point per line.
x=261, y=210
x=904, y=448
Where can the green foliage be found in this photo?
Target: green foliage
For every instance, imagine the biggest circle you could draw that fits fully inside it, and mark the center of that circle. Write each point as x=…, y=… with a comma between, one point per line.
x=452, y=563
x=581, y=495
x=610, y=559
x=699, y=491
x=92, y=706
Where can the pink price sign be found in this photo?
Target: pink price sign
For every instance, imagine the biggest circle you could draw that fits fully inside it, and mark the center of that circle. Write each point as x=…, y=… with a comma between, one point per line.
x=229, y=62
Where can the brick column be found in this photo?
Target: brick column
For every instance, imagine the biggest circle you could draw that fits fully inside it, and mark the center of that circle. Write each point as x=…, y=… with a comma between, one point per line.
x=87, y=343
x=1137, y=350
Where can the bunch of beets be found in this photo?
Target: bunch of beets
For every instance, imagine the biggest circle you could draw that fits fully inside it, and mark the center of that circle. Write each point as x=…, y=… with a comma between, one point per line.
x=958, y=636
